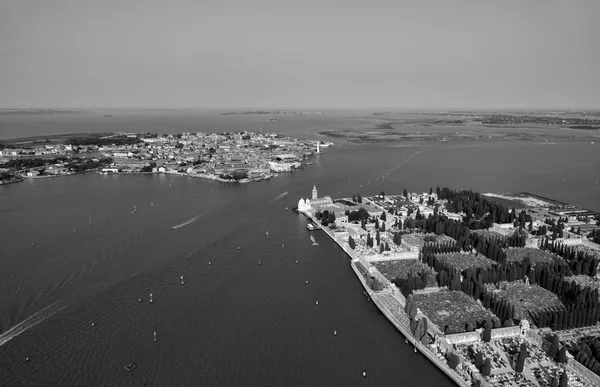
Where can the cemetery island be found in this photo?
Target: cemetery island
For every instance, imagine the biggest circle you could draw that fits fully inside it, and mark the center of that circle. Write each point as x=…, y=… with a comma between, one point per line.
x=496, y=290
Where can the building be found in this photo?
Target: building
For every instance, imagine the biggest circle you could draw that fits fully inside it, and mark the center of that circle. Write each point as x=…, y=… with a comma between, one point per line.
x=281, y=167
x=315, y=203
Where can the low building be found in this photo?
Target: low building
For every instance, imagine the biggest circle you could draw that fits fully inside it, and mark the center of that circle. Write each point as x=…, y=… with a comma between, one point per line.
x=281, y=167
x=54, y=170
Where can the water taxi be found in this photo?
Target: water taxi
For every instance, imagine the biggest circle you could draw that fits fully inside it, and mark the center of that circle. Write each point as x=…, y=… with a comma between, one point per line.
x=310, y=227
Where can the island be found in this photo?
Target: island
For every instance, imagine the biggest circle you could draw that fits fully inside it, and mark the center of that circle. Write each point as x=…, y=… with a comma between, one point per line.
x=494, y=289
x=227, y=157
x=468, y=126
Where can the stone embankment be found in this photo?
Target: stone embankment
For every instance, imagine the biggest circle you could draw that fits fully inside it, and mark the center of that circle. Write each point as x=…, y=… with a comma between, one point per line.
x=392, y=304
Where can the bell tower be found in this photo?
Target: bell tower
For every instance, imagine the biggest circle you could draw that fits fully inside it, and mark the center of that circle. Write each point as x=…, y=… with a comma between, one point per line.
x=314, y=192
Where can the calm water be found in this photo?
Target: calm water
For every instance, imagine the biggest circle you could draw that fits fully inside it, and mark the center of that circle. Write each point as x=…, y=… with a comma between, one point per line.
x=234, y=322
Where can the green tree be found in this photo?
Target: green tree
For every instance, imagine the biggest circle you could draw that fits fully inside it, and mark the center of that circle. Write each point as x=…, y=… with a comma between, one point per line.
x=554, y=347
x=487, y=331
x=479, y=360
x=562, y=355
x=359, y=198
x=377, y=238
x=405, y=193
x=382, y=226
x=412, y=312
x=409, y=301
x=520, y=364
x=453, y=360
x=239, y=175
x=486, y=369
x=563, y=381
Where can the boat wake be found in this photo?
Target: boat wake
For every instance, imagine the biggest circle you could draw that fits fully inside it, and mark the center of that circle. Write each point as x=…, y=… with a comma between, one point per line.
x=32, y=321
x=190, y=221
x=279, y=196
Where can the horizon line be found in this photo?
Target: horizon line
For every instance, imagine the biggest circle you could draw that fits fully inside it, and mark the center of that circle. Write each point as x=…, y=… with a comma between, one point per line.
x=382, y=109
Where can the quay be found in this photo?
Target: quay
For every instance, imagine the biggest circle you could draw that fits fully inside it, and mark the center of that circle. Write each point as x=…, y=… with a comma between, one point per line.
x=392, y=304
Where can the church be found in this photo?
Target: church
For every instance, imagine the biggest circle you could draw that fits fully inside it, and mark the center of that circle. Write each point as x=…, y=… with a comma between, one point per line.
x=313, y=205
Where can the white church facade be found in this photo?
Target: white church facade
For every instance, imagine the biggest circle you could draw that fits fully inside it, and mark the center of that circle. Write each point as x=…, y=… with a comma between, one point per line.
x=311, y=206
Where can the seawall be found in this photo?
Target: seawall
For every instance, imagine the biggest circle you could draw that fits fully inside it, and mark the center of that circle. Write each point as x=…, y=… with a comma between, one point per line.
x=399, y=319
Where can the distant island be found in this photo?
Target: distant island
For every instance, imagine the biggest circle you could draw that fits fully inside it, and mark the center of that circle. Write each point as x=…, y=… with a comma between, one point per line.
x=467, y=126
x=494, y=289
x=265, y=112
x=37, y=111
x=227, y=157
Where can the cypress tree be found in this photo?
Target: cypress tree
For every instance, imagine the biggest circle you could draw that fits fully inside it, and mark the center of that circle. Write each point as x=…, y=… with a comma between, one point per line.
x=542, y=319
x=486, y=369
x=487, y=331
x=520, y=364
x=554, y=347
x=479, y=360
x=562, y=355
x=563, y=379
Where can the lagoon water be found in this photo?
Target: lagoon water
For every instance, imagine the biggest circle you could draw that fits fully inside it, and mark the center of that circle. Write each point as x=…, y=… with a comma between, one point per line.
x=233, y=322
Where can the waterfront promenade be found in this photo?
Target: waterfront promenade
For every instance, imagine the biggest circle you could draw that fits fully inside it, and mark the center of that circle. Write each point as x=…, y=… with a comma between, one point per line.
x=392, y=304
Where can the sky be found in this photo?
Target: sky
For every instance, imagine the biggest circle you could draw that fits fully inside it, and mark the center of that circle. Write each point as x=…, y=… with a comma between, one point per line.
x=277, y=53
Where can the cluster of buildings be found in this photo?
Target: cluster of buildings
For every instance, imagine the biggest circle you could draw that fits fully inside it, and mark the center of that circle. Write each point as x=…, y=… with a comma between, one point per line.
x=244, y=156
x=402, y=207
x=47, y=150
x=500, y=350
x=251, y=155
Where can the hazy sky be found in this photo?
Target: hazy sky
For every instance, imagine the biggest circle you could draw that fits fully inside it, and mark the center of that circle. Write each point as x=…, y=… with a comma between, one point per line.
x=302, y=53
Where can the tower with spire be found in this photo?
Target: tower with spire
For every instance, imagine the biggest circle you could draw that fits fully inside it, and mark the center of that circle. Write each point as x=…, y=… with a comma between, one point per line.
x=314, y=193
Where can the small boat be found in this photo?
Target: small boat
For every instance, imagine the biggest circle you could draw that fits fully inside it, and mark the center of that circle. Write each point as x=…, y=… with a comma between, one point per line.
x=130, y=366
x=310, y=226
x=312, y=239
